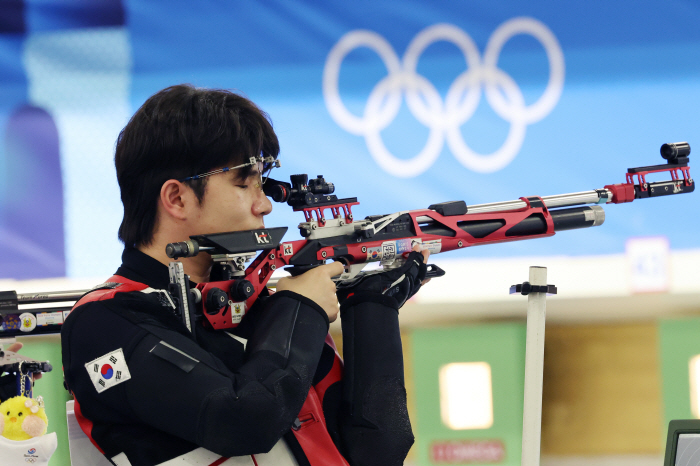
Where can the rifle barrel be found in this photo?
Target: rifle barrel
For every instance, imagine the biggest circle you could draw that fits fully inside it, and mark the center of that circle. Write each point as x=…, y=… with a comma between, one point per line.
x=50, y=296
x=558, y=200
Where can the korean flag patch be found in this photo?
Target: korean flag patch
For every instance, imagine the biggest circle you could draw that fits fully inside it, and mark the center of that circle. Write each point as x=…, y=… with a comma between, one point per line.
x=108, y=370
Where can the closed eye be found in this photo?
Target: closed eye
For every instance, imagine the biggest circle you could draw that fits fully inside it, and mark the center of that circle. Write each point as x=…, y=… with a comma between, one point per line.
x=251, y=184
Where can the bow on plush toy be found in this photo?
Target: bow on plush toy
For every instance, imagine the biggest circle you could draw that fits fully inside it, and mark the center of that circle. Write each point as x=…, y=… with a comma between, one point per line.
x=23, y=418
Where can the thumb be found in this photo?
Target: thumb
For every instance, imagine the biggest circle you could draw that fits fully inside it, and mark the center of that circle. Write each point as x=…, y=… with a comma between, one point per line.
x=424, y=252
x=14, y=347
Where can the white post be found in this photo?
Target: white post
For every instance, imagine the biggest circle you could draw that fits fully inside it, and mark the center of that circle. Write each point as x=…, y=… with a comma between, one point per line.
x=534, y=367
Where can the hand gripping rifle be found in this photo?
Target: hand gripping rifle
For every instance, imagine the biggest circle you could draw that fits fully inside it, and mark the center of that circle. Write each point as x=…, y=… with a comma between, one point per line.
x=331, y=232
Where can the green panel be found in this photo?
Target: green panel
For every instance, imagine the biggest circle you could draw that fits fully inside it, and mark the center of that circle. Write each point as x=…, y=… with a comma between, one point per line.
x=502, y=346
x=50, y=386
x=679, y=341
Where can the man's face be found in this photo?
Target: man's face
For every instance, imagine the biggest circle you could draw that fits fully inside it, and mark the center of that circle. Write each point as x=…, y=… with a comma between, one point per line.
x=231, y=203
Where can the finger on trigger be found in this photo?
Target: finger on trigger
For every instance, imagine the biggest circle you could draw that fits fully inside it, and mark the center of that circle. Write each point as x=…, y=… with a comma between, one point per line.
x=336, y=268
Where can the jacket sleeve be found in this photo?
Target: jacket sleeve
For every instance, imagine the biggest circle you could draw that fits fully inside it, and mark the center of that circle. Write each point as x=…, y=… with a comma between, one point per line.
x=177, y=387
x=375, y=428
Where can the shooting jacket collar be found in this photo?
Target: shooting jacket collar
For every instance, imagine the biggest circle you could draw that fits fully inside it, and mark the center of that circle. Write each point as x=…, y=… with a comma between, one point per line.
x=144, y=269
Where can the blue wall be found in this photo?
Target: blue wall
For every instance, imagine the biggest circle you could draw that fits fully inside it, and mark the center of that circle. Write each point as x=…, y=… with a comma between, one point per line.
x=618, y=78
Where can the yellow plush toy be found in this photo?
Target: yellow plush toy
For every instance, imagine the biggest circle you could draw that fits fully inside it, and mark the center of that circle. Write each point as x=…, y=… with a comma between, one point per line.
x=22, y=418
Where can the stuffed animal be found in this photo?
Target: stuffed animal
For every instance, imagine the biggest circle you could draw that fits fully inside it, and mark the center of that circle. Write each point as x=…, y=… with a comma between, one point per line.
x=22, y=418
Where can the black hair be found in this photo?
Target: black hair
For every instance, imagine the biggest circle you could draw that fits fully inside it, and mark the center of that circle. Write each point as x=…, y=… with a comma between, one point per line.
x=179, y=132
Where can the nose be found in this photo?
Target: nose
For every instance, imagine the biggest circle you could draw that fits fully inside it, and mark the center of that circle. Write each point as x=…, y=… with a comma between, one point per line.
x=13, y=419
x=262, y=205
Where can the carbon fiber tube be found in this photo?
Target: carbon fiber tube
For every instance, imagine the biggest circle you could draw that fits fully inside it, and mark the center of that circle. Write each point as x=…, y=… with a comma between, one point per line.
x=578, y=217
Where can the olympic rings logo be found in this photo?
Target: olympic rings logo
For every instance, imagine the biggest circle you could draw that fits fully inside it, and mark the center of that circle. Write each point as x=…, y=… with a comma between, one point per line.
x=444, y=119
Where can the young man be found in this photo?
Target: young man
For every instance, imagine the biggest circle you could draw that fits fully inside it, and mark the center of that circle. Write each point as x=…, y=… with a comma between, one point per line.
x=271, y=391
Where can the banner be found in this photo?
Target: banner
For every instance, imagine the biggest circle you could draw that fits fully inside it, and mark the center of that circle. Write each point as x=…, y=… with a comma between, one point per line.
x=401, y=105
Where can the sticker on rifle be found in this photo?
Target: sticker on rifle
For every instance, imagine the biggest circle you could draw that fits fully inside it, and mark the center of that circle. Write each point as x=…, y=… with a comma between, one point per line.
x=237, y=311
x=388, y=252
x=404, y=245
x=374, y=254
x=49, y=318
x=27, y=322
x=433, y=247
x=109, y=370
x=288, y=249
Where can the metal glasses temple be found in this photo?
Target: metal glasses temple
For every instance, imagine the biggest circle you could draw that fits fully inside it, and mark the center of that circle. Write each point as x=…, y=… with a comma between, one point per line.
x=273, y=163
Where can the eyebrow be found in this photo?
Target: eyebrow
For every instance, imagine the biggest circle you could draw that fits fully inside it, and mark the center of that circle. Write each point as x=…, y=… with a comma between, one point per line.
x=253, y=173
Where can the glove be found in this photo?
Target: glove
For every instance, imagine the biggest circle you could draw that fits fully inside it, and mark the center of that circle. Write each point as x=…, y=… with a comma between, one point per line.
x=393, y=287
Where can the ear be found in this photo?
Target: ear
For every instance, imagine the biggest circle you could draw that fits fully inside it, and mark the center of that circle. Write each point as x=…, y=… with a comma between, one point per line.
x=175, y=198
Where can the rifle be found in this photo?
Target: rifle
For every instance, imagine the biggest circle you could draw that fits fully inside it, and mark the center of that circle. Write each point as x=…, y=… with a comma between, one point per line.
x=234, y=286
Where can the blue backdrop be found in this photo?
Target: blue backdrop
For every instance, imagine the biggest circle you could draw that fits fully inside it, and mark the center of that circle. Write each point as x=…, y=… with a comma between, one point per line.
x=402, y=105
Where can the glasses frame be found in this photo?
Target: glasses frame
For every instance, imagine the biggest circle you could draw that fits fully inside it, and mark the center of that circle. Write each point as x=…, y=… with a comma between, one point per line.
x=268, y=163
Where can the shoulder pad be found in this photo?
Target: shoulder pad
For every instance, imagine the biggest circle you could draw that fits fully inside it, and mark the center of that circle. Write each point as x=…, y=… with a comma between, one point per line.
x=108, y=289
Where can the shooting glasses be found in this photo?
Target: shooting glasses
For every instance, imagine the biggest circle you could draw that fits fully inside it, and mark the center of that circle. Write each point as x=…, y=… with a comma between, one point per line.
x=265, y=166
